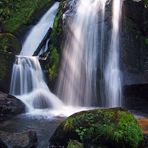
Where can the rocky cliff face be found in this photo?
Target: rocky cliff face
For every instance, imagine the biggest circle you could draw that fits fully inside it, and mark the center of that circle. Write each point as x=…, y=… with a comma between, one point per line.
x=134, y=43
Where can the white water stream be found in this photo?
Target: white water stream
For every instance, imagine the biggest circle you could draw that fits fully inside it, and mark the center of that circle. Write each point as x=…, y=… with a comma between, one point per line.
x=113, y=85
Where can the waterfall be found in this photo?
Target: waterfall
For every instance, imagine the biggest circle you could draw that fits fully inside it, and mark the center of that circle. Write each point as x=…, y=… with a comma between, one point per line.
x=27, y=82
x=113, y=85
x=78, y=73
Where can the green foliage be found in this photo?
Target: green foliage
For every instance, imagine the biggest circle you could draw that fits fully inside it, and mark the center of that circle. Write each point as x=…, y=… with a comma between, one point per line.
x=74, y=144
x=14, y=14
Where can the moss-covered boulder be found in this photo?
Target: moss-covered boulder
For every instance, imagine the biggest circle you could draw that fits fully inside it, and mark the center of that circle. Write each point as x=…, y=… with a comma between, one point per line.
x=112, y=128
x=9, y=47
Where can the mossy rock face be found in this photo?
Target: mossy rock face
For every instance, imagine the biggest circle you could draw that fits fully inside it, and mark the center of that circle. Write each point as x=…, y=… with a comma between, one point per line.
x=55, y=46
x=111, y=128
x=9, y=47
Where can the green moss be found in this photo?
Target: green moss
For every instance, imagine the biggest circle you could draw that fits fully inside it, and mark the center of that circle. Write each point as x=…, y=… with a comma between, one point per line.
x=55, y=46
x=54, y=62
x=74, y=144
x=14, y=14
x=128, y=129
x=110, y=126
x=146, y=41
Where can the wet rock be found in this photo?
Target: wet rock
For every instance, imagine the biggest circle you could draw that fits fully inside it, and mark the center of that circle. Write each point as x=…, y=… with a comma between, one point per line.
x=111, y=128
x=2, y=144
x=26, y=140
x=10, y=106
x=20, y=140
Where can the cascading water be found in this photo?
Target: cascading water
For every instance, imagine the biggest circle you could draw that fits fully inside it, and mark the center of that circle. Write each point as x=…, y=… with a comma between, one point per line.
x=27, y=82
x=112, y=72
x=77, y=79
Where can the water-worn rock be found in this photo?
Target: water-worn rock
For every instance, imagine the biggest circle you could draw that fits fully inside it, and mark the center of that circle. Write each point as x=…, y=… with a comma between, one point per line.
x=2, y=144
x=10, y=106
x=111, y=128
x=20, y=140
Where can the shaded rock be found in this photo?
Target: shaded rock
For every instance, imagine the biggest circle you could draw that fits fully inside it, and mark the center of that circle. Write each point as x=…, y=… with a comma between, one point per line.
x=134, y=47
x=136, y=97
x=10, y=106
x=20, y=140
x=26, y=140
x=111, y=128
x=2, y=144
x=146, y=141
x=132, y=9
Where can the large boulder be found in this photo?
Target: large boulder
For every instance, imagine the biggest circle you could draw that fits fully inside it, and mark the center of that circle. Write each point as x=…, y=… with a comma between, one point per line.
x=10, y=106
x=112, y=128
x=9, y=47
x=20, y=140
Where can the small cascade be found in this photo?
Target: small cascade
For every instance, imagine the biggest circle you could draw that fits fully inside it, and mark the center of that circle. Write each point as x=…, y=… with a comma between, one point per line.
x=39, y=31
x=27, y=82
x=78, y=73
x=113, y=84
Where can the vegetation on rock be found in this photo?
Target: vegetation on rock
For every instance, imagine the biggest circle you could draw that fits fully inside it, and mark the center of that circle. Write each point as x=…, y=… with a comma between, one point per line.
x=53, y=60
x=107, y=127
x=14, y=14
x=74, y=144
